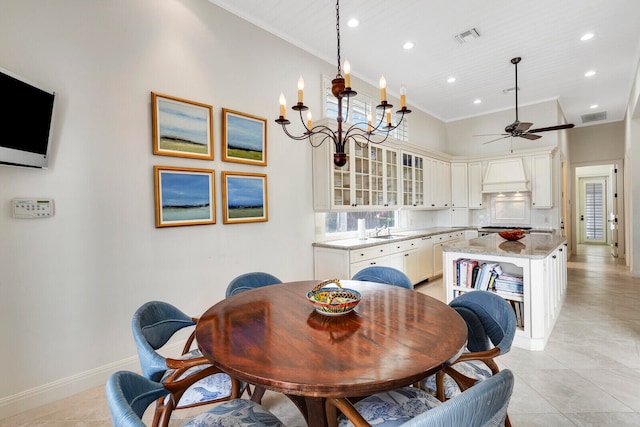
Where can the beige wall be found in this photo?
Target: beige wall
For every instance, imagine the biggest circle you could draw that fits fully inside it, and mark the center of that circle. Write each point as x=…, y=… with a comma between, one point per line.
x=597, y=142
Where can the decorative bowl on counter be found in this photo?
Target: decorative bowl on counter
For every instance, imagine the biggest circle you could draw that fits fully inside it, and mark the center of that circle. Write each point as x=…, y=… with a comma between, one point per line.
x=333, y=301
x=513, y=235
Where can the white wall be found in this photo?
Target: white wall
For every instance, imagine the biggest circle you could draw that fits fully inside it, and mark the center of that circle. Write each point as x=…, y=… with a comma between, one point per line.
x=632, y=189
x=69, y=284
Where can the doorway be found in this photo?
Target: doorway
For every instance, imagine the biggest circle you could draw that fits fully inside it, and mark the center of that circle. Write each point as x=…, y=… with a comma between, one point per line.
x=597, y=206
x=592, y=226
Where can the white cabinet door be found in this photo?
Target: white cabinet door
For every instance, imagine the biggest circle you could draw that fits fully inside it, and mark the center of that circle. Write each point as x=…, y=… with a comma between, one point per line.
x=441, y=184
x=425, y=258
x=341, y=188
x=410, y=265
x=384, y=177
x=459, y=185
x=391, y=178
x=413, y=180
x=474, y=170
x=541, y=180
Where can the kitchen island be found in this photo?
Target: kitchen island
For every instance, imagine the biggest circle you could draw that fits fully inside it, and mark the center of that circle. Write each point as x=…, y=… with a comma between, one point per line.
x=540, y=260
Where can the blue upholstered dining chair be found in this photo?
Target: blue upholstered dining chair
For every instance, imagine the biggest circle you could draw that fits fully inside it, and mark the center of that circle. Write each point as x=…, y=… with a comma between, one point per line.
x=491, y=325
x=129, y=395
x=483, y=405
x=252, y=280
x=380, y=274
x=191, y=379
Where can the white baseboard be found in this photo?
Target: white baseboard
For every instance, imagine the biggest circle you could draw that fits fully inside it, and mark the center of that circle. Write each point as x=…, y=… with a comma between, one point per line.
x=66, y=387
x=62, y=388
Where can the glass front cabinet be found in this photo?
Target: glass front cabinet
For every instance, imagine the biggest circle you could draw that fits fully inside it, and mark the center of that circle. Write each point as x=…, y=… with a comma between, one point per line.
x=369, y=179
x=413, y=183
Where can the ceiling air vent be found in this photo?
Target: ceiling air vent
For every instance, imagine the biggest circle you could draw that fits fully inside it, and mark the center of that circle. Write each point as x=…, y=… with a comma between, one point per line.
x=467, y=35
x=586, y=118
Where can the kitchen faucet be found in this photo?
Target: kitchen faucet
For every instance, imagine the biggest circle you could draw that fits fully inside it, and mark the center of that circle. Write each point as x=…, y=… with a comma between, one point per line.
x=379, y=229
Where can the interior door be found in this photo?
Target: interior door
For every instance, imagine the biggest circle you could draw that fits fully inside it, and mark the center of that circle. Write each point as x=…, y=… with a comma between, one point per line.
x=613, y=210
x=593, y=210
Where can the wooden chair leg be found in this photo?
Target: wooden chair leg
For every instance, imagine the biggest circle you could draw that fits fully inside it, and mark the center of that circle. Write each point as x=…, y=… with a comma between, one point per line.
x=257, y=394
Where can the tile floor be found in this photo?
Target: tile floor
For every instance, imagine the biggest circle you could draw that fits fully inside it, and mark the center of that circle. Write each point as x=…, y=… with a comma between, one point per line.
x=588, y=375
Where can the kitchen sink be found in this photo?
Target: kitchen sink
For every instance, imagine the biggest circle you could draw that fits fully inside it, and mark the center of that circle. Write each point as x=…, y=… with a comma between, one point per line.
x=387, y=236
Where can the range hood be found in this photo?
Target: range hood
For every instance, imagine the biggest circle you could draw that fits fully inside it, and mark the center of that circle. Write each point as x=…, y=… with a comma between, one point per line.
x=505, y=176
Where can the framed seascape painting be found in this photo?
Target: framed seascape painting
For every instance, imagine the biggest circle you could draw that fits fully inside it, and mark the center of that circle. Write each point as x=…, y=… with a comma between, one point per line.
x=181, y=128
x=244, y=197
x=184, y=196
x=244, y=138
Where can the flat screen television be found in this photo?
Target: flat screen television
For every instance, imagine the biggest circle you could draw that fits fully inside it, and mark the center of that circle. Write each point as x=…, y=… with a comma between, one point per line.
x=26, y=116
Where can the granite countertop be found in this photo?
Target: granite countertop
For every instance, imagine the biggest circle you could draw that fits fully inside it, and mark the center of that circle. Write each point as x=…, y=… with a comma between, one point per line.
x=355, y=243
x=530, y=246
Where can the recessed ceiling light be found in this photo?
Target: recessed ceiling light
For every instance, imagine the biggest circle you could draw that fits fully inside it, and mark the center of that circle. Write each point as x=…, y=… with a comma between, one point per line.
x=477, y=101
x=587, y=36
x=408, y=45
x=353, y=22
x=594, y=106
x=590, y=73
x=451, y=79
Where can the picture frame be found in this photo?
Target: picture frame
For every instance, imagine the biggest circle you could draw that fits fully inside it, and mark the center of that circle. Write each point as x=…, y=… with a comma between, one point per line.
x=181, y=128
x=184, y=196
x=244, y=197
x=244, y=138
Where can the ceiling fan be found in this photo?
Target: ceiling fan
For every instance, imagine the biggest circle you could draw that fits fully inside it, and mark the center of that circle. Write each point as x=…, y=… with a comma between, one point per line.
x=521, y=129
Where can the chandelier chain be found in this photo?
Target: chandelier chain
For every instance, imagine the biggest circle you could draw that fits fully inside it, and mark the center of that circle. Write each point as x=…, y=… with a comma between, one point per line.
x=338, y=35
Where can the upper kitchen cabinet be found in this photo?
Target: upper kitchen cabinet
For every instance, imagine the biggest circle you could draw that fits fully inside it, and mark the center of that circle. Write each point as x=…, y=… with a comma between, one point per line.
x=459, y=185
x=385, y=179
x=541, y=181
x=440, y=184
x=370, y=179
x=413, y=180
x=474, y=170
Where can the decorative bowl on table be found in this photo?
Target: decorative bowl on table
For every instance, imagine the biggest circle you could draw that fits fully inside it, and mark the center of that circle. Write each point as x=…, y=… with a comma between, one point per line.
x=333, y=301
x=513, y=235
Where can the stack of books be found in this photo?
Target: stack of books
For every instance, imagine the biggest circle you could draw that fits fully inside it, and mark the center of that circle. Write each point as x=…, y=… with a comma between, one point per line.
x=509, y=284
x=473, y=274
x=486, y=276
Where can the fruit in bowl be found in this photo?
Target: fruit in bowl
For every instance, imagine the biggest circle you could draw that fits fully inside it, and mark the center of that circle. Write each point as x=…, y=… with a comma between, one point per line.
x=513, y=235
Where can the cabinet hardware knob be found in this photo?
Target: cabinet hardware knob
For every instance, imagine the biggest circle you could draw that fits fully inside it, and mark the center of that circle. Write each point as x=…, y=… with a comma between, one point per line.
x=554, y=257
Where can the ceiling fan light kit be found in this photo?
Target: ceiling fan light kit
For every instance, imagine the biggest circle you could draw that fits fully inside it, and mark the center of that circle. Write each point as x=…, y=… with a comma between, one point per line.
x=522, y=129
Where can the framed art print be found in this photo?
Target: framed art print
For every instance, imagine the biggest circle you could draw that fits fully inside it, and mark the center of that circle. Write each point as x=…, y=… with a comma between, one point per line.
x=184, y=196
x=244, y=197
x=244, y=138
x=181, y=128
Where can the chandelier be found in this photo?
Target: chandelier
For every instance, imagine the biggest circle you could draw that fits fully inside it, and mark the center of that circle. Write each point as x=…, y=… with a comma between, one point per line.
x=361, y=133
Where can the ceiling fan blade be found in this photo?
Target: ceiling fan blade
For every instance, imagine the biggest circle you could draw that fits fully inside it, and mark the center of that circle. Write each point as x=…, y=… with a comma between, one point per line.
x=492, y=134
x=523, y=126
x=529, y=136
x=497, y=139
x=558, y=127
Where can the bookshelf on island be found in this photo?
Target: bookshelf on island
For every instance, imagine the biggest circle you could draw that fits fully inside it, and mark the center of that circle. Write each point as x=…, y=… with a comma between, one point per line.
x=530, y=274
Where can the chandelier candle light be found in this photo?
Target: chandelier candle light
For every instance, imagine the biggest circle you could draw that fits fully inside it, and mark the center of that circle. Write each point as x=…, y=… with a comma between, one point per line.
x=361, y=133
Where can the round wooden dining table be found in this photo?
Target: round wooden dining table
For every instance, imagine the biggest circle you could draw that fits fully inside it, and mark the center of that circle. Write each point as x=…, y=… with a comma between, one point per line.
x=272, y=337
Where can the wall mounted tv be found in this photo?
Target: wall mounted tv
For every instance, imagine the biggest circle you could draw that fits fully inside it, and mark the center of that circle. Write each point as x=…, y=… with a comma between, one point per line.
x=26, y=113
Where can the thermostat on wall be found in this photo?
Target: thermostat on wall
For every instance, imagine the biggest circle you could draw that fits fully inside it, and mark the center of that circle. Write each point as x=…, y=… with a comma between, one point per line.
x=32, y=208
